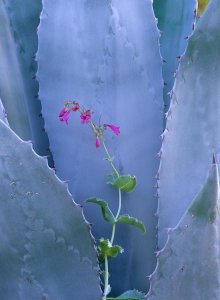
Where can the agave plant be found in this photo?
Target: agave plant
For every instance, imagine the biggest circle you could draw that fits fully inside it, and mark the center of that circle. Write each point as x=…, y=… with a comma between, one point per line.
x=153, y=69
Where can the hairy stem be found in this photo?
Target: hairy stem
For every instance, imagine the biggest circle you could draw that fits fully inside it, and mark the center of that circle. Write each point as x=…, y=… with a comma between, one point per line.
x=109, y=159
x=116, y=217
x=119, y=204
x=106, y=279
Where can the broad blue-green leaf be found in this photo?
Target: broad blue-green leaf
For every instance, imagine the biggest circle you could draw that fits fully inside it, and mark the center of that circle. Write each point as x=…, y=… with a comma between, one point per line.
x=46, y=250
x=106, y=212
x=188, y=266
x=12, y=89
x=112, y=66
x=3, y=115
x=193, y=126
x=175, y=21
x=126, y=219
x=18, y=87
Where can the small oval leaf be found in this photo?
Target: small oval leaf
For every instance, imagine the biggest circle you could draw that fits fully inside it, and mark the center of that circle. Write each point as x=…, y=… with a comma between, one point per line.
x=126, y=219
x=105, y=248
x=131, y=295
x=106, y=212
x=125, y=183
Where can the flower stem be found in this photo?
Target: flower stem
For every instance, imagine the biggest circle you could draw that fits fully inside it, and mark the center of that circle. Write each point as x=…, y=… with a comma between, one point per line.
x=119, y=204
x=106, y=277
x=116, y=217
x=109, y=158
x=113, y=233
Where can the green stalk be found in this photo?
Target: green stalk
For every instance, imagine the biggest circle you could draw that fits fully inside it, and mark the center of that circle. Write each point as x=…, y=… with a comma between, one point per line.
x=106, y=279
x=116, y=217
x=109, y=159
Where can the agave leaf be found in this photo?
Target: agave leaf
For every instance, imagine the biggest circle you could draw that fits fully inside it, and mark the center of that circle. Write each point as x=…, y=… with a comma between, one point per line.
x=3, y=115
x=18, y=87
x=46, y=248
x=175, y=21
x=112, y=66
x=12, y=90
x=188, y=265
x=193, y=124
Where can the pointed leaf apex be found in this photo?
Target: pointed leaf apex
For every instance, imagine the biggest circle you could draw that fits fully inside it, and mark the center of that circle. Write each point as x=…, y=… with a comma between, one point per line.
x=205, y=205
x=214, y=160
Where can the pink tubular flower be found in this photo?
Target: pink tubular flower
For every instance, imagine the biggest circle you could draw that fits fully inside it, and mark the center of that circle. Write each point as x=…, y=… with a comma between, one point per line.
x=64, y=115
x=85, y=117
x=97, y=142
x=76, y=107
x=114, y=128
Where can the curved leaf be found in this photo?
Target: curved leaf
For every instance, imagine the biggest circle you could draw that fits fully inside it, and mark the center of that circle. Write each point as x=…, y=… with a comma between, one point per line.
x=106, y=212
x=126, y=219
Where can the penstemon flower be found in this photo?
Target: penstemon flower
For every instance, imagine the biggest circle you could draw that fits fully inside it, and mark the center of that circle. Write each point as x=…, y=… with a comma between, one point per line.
x=114, y=128
x=76, y=106
x=106, y=248
x=85, y=117
x=66, y=110
x=64, y=115
x=97, y=142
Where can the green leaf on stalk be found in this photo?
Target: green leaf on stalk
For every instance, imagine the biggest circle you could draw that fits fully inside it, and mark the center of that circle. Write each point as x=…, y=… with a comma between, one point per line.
x=105, y=248
x=111, y=178
x=119, y=298
x=130, y=295
x=125, y=183
x=106, y=212
x=126, y=219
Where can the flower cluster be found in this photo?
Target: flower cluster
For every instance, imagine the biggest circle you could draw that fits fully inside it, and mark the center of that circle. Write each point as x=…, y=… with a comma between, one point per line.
x=66, y=110
x=86, y=118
